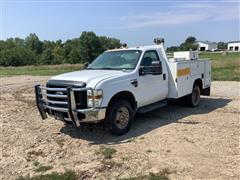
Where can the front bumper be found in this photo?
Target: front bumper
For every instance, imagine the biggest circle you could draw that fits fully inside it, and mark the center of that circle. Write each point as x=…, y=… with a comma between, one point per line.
x=75, y=115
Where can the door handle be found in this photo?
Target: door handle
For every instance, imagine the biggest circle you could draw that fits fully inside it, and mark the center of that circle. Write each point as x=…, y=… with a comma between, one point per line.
x=134, y=82
x=164, y=76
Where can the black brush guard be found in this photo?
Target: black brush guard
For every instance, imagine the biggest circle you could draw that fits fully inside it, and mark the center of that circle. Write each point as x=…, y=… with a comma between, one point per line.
x=43, y=104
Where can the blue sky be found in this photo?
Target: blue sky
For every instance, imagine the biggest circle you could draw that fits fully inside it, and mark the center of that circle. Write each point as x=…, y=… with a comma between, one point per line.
x=135, y=22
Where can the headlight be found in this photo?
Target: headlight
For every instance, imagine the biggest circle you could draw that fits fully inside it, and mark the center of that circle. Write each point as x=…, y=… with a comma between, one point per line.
x=96, y=96
x=44, y=94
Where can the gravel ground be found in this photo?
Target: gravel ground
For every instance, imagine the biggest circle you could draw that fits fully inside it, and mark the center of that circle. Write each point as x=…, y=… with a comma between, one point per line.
x=190, y=143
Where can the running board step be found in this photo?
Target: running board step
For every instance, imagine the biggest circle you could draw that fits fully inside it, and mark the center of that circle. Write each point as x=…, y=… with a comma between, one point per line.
x=152, y=107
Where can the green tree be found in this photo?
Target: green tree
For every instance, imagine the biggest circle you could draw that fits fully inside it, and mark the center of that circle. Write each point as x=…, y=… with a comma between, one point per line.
x=72, y=51
x=18, y=42
x=48, y=45
x=33, y=43
x=173, y=48
x=46, y=57
x=17, y=57
x=9, y=44
x=190, y=40
x=222, y=45
x=75, y=56
x=58, y=55
x=90, y=46
x=190, y=43
x=31, y=50
x=109, y=43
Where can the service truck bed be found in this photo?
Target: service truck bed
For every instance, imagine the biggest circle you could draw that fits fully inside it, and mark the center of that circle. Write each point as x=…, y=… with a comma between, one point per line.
x=183, y=73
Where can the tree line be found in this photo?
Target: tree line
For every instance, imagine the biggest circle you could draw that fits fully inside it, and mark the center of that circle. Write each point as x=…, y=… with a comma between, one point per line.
x=190, y=43
x=33, y=51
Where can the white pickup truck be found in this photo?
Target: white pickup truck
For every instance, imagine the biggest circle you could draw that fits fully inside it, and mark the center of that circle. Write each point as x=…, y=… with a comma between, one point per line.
x=122, y=82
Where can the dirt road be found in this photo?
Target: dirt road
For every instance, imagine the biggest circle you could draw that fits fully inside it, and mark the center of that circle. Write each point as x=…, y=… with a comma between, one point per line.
x=190, y=143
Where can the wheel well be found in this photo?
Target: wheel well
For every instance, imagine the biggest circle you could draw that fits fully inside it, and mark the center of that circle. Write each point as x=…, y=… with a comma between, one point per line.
x=199, y=83
x=126, y=95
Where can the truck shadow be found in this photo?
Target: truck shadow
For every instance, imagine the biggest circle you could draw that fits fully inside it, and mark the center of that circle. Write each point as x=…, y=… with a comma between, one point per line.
x=144, y=123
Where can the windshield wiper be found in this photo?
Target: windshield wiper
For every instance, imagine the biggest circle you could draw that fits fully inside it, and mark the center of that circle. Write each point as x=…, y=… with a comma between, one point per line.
x=101, y=68
x=107, y=68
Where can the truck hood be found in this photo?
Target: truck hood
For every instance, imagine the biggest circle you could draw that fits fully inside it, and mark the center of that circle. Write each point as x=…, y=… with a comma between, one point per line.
x=88, y=75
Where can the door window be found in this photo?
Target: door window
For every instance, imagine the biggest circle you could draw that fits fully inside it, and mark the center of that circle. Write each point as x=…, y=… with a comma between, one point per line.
x=149, y=57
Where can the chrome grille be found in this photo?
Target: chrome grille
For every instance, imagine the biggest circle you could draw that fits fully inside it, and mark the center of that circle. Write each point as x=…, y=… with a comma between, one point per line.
x=56, y=93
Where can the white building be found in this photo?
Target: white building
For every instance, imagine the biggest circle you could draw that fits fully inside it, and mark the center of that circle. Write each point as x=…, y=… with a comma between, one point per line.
x=207, y=46
x=234, y=46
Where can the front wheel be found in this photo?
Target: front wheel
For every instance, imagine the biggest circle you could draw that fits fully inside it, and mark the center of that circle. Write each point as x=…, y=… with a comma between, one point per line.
x=119, y=117
x=194, y=97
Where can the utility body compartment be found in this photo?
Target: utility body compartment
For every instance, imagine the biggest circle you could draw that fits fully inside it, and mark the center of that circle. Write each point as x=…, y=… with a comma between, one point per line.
x=183, y=73
x=186, y=55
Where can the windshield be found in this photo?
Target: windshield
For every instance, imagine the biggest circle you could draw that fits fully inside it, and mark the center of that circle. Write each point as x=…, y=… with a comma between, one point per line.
x=116, y=60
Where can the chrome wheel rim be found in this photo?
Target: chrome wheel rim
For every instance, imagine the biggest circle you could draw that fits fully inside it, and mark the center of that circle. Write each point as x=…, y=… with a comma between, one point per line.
x=122, y=117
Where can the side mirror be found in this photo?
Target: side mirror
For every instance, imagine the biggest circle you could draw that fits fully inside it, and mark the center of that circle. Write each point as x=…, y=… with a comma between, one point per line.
x=141, y=71
x=154, y=69
x=85, y=65
x=156, y=63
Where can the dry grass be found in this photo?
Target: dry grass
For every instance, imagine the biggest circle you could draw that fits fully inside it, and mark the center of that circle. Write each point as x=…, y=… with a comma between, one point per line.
x=107, y=152
x=45, y=70
x=42, y=168
x=68, y=175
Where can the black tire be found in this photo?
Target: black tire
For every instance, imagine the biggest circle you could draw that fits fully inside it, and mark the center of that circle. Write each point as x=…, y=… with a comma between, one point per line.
x=119, y=108
x=193, y=99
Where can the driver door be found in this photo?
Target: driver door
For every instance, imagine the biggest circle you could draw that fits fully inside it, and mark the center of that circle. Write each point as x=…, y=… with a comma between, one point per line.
x=150, y=84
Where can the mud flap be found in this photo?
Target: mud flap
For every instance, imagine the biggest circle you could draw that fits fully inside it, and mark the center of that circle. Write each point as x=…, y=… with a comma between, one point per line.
x=39, y=103
x=206, y=91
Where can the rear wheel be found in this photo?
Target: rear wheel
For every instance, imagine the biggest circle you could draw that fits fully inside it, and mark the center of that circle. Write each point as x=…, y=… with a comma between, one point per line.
x=119, y=117
x=194, y=97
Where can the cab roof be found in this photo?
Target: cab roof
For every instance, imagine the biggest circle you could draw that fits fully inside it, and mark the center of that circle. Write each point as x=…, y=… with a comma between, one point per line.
x=142, y=48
